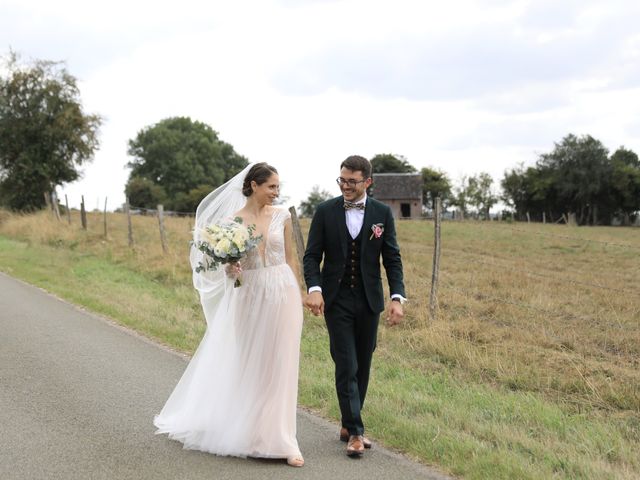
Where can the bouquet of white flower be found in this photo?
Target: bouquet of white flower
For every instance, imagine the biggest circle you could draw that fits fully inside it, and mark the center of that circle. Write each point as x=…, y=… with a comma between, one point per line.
x=225, y=242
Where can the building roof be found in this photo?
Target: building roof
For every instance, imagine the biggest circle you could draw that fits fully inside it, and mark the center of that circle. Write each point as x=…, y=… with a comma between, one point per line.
x=389, y=186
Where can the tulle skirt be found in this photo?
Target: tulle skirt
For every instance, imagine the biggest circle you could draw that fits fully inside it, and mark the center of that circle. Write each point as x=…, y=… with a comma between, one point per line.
x=238, y=395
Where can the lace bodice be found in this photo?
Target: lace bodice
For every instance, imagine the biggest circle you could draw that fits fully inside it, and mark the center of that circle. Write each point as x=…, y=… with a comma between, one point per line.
x=272, y=245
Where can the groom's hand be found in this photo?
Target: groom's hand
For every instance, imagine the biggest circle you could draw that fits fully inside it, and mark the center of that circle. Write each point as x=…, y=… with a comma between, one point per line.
x=315, y=303
x=395, y=314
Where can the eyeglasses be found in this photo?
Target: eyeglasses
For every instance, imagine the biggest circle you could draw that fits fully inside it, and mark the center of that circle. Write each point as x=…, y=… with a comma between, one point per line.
x=351, y=182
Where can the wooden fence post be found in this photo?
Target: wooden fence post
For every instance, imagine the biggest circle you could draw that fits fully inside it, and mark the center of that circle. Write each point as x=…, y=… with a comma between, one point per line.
x=66, y=202
x=433, y=299
x=163, y=236
x=544, y=217
x=83, y=214
x=126, y=207
x=105, y=217
x=54, y=204
x=297, y=236
x=528, y=218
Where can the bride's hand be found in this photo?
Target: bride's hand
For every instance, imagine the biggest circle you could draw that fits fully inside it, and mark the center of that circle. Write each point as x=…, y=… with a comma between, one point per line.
x=233, y=269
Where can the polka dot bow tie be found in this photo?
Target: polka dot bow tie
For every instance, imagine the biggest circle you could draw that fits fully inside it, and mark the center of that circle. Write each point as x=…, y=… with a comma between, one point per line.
x=349, y=205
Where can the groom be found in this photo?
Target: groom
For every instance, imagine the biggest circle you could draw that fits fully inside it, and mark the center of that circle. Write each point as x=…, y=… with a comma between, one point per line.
x=352, y=232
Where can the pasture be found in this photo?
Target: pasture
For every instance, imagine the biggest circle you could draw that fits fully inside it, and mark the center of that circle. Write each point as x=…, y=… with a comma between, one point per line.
x=531, y=369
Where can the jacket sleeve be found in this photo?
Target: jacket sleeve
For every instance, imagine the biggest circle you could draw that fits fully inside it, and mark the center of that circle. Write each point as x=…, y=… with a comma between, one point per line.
x=391, y=258
x=314, y=251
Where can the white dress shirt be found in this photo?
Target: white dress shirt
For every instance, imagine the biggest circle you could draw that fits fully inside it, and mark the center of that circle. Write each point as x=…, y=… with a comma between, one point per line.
x=355, y=217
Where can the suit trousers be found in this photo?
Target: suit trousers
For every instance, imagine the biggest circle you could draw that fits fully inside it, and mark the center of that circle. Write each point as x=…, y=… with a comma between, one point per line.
x=353, y=330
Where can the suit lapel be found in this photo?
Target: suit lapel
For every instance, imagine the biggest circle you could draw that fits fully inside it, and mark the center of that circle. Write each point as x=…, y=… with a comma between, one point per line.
x=366, y=223
x=341, y=223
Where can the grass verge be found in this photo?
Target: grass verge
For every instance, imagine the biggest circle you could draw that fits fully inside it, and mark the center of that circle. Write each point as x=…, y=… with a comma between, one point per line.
x=474, y=429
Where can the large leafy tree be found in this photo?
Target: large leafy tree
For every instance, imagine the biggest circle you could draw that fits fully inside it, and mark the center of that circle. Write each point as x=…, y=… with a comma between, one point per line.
x=316, y=196
x=528, y=190
x=185, y=158
x=578, y=170
x=435, y=183
x=625, y=183
x=577, y=178
x=388, y=163
x=515, y=191
x=45, y=136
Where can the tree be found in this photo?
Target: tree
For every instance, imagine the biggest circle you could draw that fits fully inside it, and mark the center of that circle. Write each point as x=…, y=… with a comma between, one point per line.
x=181, y=155
x=188, y=202
x=515, y=193
x=388, y=163
x=308, y=207
x=578, y=171
x=460, y=196
x=578, y=178
x=527, y=191
x=625, y=183
x=44, y=134
x=479, y=193
x=142, y=192
x=435, y=183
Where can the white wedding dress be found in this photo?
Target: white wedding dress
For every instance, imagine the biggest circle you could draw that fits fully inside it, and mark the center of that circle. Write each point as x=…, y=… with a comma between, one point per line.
x=238, y=395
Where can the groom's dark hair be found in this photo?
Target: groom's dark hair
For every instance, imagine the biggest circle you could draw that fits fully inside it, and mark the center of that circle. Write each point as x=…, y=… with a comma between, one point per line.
x=259, y=173
x=356, y=163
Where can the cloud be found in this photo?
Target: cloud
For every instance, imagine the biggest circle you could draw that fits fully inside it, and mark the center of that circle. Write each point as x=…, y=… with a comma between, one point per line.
x=464, y=86
x=489, y=59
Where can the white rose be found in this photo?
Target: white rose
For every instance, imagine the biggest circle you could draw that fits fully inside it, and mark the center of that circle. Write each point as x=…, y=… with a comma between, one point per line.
x=205, y=236
x=222, y=248
x=240, y=237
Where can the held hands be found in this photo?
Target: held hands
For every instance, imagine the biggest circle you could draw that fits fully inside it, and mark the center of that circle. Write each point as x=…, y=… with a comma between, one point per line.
x=395, y=314
x=315, y=303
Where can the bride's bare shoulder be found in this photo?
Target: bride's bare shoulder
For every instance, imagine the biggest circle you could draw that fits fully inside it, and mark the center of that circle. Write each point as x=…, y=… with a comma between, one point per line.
x=239, y=214
x=280, y=210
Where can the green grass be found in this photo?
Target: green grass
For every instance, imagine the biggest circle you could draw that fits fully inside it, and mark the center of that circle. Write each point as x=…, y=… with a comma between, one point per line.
x=474, y=430
x=529, y=371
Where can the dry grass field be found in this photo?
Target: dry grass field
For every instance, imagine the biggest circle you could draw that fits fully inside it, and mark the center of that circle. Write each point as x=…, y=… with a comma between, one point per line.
x=532, y=363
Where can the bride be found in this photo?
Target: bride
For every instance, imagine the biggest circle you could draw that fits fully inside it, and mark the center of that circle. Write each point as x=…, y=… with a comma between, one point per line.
x=238, y=394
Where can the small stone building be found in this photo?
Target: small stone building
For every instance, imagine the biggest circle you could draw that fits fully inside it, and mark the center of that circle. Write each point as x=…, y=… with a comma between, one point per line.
x=401, y=191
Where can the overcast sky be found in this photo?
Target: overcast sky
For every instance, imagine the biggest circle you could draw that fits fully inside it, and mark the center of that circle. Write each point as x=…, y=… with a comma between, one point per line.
x=463, y=86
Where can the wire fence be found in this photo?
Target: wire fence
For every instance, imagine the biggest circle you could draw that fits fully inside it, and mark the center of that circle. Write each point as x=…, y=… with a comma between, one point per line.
x=154, y=211
x=510, y=265
x=477, y=258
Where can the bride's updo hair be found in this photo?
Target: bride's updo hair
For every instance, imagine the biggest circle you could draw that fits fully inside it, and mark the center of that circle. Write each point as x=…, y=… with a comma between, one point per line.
x=259, y=173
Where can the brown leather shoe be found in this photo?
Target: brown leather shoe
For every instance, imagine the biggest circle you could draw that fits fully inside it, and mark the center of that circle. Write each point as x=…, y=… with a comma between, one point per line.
x=355, y=447
x=344, y=437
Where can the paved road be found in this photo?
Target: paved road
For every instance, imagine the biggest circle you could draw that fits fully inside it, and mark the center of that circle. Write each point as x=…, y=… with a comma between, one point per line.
x=78, y=394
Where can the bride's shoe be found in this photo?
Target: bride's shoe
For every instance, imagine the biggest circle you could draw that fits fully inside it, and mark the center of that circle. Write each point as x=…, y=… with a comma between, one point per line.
x=296, y=461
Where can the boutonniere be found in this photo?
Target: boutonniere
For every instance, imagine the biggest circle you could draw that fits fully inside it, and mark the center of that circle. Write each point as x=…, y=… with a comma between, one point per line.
x=377, y=229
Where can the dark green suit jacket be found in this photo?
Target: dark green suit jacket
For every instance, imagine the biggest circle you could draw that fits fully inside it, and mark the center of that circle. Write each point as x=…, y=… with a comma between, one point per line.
x=328, y=240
